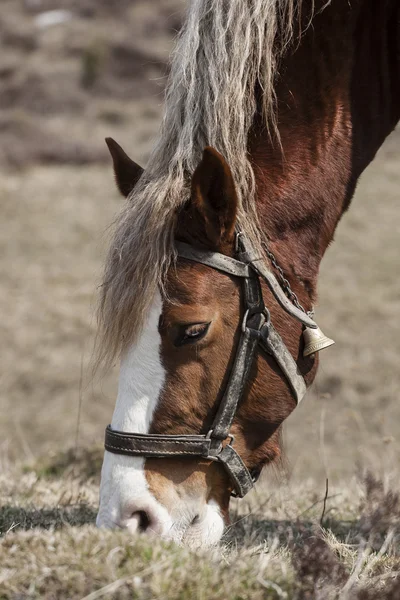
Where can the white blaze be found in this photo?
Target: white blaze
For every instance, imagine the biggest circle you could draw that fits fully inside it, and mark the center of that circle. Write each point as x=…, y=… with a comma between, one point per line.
x=123, y=483
x=124, y=492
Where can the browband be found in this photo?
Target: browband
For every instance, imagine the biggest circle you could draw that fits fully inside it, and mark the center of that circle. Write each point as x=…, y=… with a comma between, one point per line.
x=240, y=268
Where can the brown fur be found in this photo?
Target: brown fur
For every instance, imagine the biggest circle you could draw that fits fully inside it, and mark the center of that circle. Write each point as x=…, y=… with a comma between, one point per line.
x=171, y=479
x=197, y=374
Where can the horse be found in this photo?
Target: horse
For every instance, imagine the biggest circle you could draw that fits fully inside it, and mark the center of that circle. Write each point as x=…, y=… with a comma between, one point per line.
x=273, y=110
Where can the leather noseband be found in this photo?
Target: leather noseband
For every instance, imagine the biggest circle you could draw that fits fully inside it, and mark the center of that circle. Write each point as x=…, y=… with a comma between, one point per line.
x=257, y=331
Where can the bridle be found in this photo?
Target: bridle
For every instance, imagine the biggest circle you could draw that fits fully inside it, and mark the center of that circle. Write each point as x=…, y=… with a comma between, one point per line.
x=257, y=331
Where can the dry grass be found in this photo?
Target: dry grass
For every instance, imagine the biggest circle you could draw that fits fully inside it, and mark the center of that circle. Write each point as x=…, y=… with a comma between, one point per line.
x=275, y=547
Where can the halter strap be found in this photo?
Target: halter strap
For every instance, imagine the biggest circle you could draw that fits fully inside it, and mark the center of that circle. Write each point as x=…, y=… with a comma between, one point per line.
x=256, y=331
x=248, y=266
x=218, y=261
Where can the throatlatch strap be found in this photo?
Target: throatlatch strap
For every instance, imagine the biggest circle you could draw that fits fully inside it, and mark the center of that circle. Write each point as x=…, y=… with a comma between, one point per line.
x=272, y=343
x=258, y=265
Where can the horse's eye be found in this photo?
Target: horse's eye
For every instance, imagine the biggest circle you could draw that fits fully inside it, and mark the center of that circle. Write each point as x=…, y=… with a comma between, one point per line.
x=189, y=334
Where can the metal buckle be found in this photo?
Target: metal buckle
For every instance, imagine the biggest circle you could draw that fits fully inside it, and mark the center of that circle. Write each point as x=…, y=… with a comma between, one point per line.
x=238, y=235
x=267, y=316
x=246, y=318
x=232, y=439
x=215, y=458
x=244, y=322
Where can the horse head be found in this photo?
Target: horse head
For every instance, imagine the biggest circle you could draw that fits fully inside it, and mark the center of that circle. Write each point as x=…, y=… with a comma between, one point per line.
x=175, y=376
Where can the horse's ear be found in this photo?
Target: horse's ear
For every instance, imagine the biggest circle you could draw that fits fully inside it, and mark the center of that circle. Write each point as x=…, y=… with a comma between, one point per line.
x=214, y=197
x=127, y=172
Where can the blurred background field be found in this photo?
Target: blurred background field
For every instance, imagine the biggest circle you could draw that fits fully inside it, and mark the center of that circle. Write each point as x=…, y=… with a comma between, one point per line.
x=71, y=73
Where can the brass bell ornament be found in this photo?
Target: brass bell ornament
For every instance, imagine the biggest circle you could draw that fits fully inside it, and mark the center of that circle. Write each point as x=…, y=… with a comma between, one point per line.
x=315, y=341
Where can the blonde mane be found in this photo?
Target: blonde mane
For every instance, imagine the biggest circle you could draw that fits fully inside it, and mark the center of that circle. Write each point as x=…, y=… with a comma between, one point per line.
x=224, y=50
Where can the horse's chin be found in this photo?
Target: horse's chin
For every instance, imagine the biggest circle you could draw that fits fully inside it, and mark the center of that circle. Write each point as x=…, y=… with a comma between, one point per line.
x=185, y=526
x=205, y=532
x=199, y=533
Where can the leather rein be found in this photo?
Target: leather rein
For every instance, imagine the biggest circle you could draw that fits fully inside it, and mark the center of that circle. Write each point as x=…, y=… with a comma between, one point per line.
x=257, y=331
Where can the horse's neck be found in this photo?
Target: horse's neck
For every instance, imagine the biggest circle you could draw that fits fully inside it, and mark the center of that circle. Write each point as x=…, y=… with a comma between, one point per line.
x=339, y=97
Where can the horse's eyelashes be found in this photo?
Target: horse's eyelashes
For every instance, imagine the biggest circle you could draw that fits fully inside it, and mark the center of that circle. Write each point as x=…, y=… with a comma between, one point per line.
x=189, y=334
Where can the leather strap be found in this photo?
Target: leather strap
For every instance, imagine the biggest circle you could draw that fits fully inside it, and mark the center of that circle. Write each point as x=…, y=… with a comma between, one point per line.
x=218, y=261
x=244, y=359
x=162, y=446
x=272, y=343
x=237, y=471
x=245, y=268
x=280, y=296
x=257, y=263
x=235, y=388
x=148, y=445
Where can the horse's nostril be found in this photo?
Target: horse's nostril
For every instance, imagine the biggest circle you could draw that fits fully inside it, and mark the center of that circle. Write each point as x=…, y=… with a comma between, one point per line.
x=143, y=517
x=143, y=520
x=195, y=520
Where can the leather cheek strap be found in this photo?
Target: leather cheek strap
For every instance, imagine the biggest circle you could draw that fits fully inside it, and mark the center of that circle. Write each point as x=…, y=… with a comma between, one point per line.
x=237, y=471
x=234, y=391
